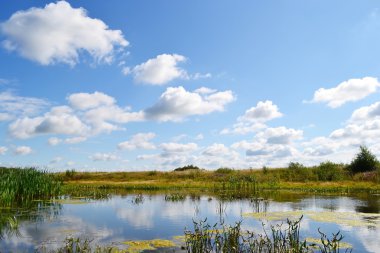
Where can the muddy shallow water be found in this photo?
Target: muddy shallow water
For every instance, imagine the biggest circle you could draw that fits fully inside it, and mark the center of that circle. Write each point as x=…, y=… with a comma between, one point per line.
x=141, y=216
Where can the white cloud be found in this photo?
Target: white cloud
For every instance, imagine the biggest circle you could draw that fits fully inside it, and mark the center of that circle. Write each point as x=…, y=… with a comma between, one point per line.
x=205, y=90
x=197, y=76
x=172, y=147
x=56, y=159
x=103, y=157
x=176, y=103
x=138, y=141
x=264, y=111
x=75, y=140
x=3, y=150
x=347, y=91
x=23, y=150
x=54, y=122
x=254, y=118
x=54, y=141
x=84, y=101
x=58, y=33
x=158, y=71
x=216, y=149
x=280, y=135
x=12, y=105
x=366, y=113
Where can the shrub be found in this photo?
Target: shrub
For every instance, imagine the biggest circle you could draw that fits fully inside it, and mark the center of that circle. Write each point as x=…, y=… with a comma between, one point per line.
x=364, y=161
x=329, y=171
x=187, y=167
x=224, y=171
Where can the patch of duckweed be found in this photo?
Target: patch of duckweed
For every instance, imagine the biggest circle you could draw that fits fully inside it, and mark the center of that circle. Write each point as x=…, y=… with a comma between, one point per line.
x=317, y=241
x=180, y=238
x=139, y=246
x=342, y=218
x=70, y=201
x=275, y=216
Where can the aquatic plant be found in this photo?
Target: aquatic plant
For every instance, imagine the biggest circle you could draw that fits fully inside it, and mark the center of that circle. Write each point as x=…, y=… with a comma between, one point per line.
x=175, y=197
x=231, y=238
x=19, y=185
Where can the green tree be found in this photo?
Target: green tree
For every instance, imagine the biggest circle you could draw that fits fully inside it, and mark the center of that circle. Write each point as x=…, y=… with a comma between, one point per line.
x=364, y=161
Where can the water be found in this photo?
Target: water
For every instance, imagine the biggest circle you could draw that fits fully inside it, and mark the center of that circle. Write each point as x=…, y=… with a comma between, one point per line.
x=132, y=216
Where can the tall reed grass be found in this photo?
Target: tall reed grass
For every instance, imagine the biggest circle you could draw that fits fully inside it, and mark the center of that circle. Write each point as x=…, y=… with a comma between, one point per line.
x=19, y=185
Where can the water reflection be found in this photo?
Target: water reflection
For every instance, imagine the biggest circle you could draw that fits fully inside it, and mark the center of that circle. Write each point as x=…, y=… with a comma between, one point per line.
x=145, y=216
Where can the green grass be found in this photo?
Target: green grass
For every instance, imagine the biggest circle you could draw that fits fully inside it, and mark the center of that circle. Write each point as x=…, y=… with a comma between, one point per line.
x=325, y=178
x=20, y=185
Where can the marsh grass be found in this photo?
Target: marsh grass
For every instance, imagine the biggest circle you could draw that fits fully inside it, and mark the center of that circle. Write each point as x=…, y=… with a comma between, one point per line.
x=20, y=185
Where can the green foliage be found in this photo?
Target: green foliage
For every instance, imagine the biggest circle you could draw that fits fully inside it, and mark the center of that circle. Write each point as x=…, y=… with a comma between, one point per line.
x=364, y=161
x=329, y=171
x=187, y=167
x=224, y=170
x=296, y=166
x=265, y=169
x=70, y=174
x=19, y=185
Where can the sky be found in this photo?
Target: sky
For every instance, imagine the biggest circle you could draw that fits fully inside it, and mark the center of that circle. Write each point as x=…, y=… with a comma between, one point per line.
x=156, y=85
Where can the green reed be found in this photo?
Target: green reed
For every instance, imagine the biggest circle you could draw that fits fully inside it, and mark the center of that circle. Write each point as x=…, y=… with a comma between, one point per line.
x=20, y=185
x=231, y=238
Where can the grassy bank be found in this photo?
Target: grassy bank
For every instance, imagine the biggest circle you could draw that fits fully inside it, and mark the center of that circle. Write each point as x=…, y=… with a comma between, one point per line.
x=325, y=178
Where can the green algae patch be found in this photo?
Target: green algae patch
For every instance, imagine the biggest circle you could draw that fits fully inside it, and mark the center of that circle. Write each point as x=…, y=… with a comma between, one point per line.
x=179, y=238
x=342, y=218
x=70, y=201
x=139, y=246
x=275, y=216
x=317, y=241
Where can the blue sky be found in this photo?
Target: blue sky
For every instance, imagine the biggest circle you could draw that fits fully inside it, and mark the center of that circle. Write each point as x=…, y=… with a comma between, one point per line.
x=154, y=85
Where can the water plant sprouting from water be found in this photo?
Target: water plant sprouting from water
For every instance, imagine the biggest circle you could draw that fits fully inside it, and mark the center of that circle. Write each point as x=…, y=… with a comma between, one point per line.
x=231, y=238
x=20, y=185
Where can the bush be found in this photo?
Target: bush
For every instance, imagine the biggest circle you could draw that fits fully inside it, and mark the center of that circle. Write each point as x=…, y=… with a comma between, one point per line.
x=187, y=167
x=329, y=171
x=224, y=171
x=364, y=161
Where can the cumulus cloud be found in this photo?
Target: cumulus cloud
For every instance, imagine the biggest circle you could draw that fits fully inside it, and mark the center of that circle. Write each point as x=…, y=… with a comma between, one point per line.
x=58, y=33
x=3, y=150
x=262, y=112
x=54, y=122
x=347, y=91
x=158, y=71
x=23, y=150
x=366, y=113
x=138, y=141
x=96, y=115
x=280, y=135
x=176, y=103
x=103, y=157
x=84, y=101
x=254, y=118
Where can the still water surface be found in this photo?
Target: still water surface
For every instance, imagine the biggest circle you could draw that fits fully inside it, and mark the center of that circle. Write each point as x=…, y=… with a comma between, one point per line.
x=134, y=216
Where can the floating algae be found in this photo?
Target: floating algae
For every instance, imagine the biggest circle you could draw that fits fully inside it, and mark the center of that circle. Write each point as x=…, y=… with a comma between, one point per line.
x=317, y=241
x=275, y=216
x=70, y=201
x=342, y=218
x=139, y=246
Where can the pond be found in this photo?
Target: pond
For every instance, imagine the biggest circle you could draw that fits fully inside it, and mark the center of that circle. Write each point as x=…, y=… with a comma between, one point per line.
x=121, y=217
